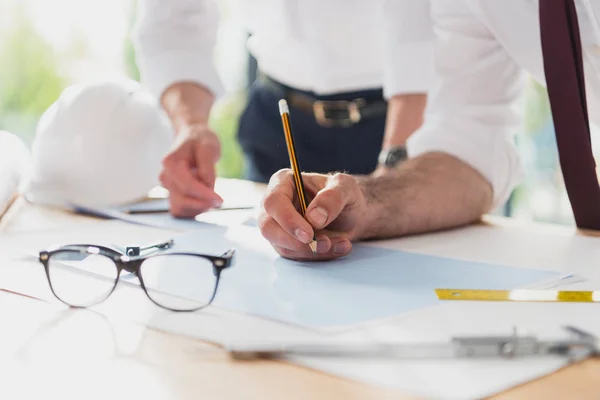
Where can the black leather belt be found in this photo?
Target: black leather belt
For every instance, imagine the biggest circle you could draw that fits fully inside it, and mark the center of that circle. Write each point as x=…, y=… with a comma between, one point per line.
x=328, y=113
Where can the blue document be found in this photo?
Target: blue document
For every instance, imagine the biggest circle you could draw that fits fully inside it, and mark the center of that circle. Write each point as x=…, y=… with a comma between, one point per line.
x=371, y=283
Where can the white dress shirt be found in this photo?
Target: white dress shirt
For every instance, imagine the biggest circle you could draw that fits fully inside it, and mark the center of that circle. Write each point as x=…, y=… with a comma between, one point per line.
x=482, y=50
x=325, y=46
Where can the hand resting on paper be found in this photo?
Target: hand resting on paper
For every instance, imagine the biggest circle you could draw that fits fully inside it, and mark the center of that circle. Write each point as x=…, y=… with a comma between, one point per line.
x=430, y=192
x=189, y=171
x=336, y=212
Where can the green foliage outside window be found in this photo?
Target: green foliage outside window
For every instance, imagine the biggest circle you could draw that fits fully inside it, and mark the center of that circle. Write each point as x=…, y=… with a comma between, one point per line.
x=131, y=68
x=537, y=108
x=29, y=77
x=224, y=121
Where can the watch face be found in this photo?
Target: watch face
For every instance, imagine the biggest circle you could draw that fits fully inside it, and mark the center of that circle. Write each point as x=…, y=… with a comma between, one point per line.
x=395, y=156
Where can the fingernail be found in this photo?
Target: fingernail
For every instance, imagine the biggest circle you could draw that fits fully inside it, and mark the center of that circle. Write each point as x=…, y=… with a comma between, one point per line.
x=217, y=203
x=302, y=236
x=321, y=246
x=341, y=248
x=318, y=216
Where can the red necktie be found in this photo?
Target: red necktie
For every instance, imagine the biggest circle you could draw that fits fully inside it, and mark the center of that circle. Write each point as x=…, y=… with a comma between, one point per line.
x=563, y=63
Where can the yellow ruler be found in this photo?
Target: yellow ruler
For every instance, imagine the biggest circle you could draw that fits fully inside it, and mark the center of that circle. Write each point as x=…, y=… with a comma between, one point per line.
x=525, y=295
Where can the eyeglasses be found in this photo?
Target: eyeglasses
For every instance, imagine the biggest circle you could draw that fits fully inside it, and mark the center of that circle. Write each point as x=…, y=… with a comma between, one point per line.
x=83, y=275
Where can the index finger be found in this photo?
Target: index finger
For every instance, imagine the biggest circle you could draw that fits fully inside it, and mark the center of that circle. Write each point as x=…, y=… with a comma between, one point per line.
x=279, y=204
x=188, y=185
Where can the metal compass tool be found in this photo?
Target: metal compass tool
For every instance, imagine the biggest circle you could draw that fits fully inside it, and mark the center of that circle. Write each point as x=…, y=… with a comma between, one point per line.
x=580, y=345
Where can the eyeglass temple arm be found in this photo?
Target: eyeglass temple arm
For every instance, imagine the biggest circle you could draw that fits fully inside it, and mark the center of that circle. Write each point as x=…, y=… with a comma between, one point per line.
x=228, y=256
x=151, y=248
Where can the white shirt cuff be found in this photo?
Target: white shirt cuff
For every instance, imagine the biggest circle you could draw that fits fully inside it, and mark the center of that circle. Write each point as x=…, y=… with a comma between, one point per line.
x=409, y=68
x=158, y=72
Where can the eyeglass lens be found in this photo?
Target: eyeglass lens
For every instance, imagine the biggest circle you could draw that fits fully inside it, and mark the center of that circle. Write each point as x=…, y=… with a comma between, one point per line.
x=179, y=282
x=81, y=279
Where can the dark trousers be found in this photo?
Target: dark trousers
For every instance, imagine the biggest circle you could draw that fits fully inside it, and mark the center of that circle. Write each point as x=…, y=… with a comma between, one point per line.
x=353, y=150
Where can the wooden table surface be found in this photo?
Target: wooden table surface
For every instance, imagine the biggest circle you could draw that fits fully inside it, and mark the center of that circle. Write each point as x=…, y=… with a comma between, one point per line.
x=47, y=351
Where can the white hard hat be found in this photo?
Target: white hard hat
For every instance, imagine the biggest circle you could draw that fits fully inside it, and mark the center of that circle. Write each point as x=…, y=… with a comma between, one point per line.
x=14, y=167
x=98, y=145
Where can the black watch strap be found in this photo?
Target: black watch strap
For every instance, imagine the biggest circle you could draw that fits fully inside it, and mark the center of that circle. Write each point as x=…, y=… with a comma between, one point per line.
x=393, y=156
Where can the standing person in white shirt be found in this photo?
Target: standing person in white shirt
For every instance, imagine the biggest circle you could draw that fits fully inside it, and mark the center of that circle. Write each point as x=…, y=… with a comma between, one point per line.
x=462, y=160
x=336, y=62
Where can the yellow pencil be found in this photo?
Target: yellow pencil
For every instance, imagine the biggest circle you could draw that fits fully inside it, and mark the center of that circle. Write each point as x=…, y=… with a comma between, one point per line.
x=289, y=139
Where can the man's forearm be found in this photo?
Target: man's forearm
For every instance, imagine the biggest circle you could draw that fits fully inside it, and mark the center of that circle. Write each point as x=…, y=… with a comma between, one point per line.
x=404, y=116
x=187, y=103
x=431, y=192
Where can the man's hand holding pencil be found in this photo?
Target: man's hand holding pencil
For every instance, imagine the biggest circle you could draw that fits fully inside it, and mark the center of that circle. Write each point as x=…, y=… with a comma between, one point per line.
x=336, y=214
x=298, y=228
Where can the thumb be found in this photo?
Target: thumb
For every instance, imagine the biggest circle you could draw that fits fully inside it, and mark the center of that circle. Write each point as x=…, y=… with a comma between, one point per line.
x=339, y=192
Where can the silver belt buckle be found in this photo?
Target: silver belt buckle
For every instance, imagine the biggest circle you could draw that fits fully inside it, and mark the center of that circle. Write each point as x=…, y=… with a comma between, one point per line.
x=320, y=108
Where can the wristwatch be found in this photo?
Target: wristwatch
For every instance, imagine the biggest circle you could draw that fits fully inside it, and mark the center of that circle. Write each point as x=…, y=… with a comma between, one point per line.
x=389, y=158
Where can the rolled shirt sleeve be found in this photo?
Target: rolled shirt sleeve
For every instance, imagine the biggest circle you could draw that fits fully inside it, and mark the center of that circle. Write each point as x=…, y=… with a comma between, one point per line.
x=174, y=41
x=408, y=47
x=471, y=111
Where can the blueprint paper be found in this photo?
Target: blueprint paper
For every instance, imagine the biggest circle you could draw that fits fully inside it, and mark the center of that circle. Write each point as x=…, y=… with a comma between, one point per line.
x=369, y=284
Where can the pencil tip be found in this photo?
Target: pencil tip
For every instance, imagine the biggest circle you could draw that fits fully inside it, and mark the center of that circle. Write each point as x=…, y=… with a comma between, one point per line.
x=313, y=246
x=283, y=107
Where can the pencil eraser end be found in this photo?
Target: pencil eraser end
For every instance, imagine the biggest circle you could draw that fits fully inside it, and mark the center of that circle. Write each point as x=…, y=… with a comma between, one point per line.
x=283, y=107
